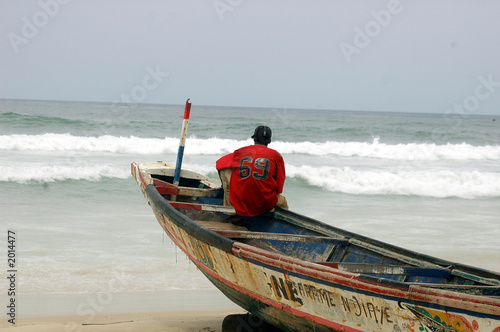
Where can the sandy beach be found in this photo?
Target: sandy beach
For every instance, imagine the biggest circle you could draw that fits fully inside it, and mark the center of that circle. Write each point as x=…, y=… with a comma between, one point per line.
x=181, y=321
x=183, y=310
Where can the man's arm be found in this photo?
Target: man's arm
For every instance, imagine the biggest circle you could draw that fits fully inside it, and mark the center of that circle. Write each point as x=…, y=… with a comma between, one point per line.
x=280, y=173
x=224, y=162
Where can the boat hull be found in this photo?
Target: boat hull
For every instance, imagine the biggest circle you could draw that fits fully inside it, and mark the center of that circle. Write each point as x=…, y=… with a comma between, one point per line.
x=301, y=296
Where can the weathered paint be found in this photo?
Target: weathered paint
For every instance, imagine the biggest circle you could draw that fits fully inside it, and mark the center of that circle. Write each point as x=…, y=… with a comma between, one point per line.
x=180, y=153
x=204, y=207
x=345, y=308
x=300, y=295
x=438, y=319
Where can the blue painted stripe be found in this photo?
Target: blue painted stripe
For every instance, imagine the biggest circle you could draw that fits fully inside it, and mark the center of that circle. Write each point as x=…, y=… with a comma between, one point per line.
x=177, y=173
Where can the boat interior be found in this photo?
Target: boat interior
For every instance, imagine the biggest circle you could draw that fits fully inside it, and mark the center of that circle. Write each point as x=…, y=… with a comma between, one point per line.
x=306, y=239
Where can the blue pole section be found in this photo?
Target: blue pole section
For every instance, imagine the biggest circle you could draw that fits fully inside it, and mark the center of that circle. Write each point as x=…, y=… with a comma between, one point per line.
x=180, y=153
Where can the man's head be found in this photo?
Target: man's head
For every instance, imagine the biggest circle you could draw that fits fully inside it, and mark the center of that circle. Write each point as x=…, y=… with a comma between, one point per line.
x=262, y=135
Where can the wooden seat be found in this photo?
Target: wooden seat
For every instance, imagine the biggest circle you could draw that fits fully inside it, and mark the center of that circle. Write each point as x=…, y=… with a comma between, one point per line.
x=218, y=226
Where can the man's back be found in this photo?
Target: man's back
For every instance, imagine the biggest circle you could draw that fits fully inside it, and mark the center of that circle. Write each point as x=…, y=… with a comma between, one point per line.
x=257, y=178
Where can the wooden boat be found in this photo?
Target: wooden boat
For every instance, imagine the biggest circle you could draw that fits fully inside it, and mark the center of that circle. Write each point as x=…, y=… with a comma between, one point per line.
x=300, y=274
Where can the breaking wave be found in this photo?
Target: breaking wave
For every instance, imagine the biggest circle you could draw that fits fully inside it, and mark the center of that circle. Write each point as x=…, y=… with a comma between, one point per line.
x=196, y=146
x=428, y=183
x=45, y=174
x=439, y=184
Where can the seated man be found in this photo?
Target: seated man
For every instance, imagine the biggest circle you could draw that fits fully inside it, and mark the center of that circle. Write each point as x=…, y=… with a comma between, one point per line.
x=257, y=176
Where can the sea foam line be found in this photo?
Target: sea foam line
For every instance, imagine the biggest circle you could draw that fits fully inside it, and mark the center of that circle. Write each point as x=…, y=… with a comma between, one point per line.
x=45, y=174
x=218, y=146
x=439, y=184
x=115, y=144
x=427, y=183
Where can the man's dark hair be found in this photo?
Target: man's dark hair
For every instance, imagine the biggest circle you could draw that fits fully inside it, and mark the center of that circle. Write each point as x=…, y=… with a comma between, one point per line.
x=262, y=135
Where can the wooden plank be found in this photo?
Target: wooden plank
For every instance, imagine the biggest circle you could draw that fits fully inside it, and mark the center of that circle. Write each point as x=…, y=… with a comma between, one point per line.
x=165, y=188
x=221, y=226
x=389, y=269
x=283, y=237
x=202, y=207
x=393, y=254
x=483, y=304
x=493, y=291
x=474, y=277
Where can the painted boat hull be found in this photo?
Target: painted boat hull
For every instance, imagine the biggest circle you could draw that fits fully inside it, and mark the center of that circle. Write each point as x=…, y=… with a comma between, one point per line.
x=297, y=295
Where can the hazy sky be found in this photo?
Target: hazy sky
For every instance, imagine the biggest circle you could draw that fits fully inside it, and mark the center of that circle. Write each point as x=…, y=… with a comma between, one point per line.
x=438, y=56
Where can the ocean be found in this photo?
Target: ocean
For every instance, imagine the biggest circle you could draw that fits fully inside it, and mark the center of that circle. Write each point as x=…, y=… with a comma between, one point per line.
x=426, y=182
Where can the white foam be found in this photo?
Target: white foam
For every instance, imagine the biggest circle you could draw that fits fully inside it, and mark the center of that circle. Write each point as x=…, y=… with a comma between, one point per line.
x=430, y=183
x=410, y=151
x=91, y=172
x=218, y=146
x=26, y=174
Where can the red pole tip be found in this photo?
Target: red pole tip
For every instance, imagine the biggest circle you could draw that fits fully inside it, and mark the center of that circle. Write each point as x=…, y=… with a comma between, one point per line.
x=187, y=109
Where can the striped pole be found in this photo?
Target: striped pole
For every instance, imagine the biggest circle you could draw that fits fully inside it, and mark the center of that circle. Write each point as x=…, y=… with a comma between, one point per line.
x=180, y=153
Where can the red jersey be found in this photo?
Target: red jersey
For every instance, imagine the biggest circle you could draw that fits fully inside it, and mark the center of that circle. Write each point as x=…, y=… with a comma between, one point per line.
x=257, y=178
